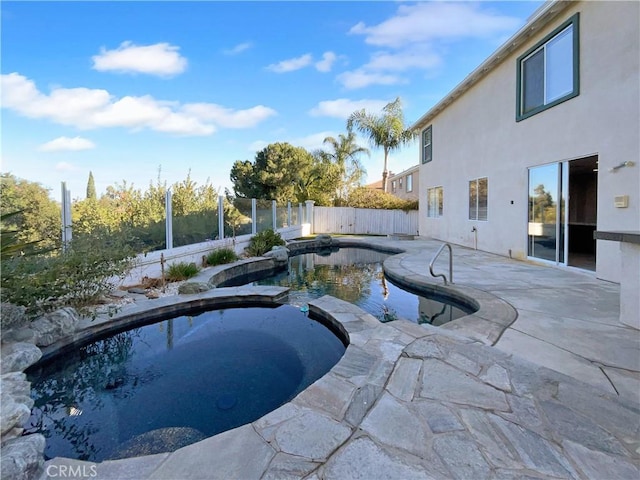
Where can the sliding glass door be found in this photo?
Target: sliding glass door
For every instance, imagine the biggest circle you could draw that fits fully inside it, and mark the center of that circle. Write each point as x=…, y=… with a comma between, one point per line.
x=547, y=219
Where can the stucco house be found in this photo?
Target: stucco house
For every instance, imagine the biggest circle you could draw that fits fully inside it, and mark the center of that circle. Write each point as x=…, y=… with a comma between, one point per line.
x=539, y=146
x=404, y=185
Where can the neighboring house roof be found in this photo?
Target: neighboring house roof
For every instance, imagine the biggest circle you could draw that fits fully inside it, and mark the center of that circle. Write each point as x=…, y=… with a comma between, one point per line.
x=539, y=19
x=409, y=170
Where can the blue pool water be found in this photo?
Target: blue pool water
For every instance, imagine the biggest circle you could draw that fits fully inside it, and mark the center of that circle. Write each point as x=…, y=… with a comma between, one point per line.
x=356, y=275
x=159, y=387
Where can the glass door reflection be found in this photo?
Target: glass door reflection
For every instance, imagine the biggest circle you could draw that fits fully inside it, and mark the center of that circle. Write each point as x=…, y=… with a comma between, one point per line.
x=546, y=213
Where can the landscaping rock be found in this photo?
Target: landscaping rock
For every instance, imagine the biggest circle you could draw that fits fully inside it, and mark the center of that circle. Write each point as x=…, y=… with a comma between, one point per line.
x=54, y=326
x=15, y=405
x=278, y=253
x=324, y=240
x=138, y=290
x=17, y=357
x=13, y=316
x=190, y=288
x=22, y=458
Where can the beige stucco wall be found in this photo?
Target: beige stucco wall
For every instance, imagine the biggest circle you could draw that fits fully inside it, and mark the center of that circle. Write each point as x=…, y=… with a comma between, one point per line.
x=477, y=136
x=402, y=192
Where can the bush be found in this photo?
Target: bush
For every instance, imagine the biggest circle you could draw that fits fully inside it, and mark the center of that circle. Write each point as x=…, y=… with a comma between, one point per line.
x=75, y=278
x=368, y=198
x=221, y=256
x=181, y=271
x=263, y=242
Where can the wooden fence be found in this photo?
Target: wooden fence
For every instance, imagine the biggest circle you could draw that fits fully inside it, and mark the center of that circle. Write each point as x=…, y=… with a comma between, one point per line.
x=364, y=221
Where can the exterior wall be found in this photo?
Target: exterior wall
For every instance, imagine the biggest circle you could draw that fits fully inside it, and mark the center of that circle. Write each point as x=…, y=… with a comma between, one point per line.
x=477, y=135
x=401, y=192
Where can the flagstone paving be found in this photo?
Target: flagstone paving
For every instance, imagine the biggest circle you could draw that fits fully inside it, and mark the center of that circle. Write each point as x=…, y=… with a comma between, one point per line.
x=415, y=401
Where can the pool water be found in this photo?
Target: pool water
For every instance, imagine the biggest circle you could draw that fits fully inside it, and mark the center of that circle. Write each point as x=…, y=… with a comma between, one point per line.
x=160, y=387
x=356, y=276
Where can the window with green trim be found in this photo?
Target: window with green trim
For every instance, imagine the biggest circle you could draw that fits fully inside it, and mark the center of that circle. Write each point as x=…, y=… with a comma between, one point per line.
x=548, y=74
x=426, y=144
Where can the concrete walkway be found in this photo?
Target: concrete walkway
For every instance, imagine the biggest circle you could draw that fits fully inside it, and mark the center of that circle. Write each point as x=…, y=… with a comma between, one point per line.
x=409, y=401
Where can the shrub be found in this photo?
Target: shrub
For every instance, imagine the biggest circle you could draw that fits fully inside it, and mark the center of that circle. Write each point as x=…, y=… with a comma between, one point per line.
x=221, y=256
x=76, y=277
x=181, y=271
x=368, y=198
x=263, y=242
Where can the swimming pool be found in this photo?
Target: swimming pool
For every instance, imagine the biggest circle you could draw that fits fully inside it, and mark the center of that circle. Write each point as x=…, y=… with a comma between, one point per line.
x=356, y=275
x=163, y=386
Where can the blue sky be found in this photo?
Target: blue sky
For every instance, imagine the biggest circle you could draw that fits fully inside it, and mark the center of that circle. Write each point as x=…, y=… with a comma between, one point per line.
x=123, y=88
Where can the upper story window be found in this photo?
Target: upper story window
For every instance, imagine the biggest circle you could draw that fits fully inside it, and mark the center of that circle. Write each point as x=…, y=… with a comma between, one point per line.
x=426, y=144
x=410, y=182
x=548, y=74
x=394, y=186
x=400, y=183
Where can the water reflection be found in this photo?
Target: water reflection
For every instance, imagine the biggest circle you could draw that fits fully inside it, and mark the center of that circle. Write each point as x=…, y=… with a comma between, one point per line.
x=356, y=276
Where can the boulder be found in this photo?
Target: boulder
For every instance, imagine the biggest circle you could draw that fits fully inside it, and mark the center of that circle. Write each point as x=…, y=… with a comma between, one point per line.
x=13, y=316
x=190, y=288
x=324, y=240
x=17, y=357
x=15, y=402
x=278, y=253
x=55, y=325
x=22, y=458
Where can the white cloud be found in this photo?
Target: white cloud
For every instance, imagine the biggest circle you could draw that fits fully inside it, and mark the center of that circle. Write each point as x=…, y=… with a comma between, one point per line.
x=241, y=47
x=425, y=22
x=328, y=59
x=420, y=58
x=226, y=117
x=86, y=109
x=291, y=64
x=160, y=59
x=361, y=78
x=257, y=145
x=67, y=144
x=343, y=107
x=64, y=167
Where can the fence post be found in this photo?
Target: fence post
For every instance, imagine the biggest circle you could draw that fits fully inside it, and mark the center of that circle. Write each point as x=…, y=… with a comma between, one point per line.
x=310, y=213
x=220, y=217
x=288, y=214
x=66, y=217
x=254, y=216
x=168, y=213
x=274, y=216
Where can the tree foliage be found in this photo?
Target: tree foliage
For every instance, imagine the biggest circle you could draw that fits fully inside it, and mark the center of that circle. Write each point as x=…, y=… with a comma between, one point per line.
x=91, y=187
x=39, y=217
x=345, y=153
x=284, y=173
x=363, y=197
x=387, y=130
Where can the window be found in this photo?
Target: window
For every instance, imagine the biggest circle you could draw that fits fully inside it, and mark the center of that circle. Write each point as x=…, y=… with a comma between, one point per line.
x=410, y=182
x=434, y=202
x=426, y=144
x=478, y=193
x=394, y=186
x=400, y=183
x=548, y=74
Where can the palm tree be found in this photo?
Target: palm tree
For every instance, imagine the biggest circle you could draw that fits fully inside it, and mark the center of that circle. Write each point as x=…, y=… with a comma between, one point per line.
x=387, y=130
x=344, y=155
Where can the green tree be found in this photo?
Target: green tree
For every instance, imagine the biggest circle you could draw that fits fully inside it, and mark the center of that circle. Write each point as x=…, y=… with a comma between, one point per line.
x=344, y=153
x=279, y=172
x=386, y=130
x=91, y=188
x=39, y=218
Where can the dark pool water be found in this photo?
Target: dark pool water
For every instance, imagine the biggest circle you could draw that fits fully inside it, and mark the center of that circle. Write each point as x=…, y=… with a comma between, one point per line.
x=356, y=275
x=162, y=386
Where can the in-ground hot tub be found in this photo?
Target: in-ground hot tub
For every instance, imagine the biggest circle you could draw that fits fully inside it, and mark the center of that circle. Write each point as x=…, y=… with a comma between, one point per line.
x=159, y=387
